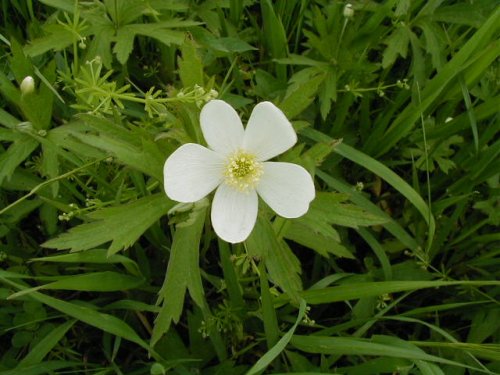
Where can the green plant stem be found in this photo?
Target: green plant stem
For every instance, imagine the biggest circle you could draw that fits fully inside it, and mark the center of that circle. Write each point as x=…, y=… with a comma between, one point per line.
x=48, y=182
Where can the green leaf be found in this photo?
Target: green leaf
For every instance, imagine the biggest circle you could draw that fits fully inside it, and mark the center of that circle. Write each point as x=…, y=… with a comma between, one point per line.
x=91, y=316
x=58, y=38
x=106, y=281
x=353, y=291
x=282, y=265
x=284, y=269
x=331, y=208
x=301, y=92
x=365, y=347
x=7, y=120
x=124, y=43
x=268, y=357
x=98, y=256
x=123, y=225
x=15, y=155
x=397, y=44
x=320, y=242
x=190, y=65
x=44, y=346
x=133, y=147
x=64, y=5
x=46, y=367
x=480, y=44
x=183, y=272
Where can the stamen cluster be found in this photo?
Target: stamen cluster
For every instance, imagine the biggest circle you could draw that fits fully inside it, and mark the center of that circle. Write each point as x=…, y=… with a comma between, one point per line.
x=242, y=171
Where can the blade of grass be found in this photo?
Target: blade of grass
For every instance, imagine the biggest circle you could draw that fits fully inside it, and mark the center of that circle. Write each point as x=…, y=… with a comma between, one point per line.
x=267, y=358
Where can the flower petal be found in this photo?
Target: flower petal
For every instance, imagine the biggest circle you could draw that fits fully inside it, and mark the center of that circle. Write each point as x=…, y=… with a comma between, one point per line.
x=287, y=188
x=192, y=172
x=268, y=133
x=234, y=213
x=221, y=126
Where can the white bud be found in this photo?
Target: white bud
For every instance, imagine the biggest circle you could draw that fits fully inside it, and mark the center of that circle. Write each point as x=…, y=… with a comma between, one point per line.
x=348, y=11
x=27, y=85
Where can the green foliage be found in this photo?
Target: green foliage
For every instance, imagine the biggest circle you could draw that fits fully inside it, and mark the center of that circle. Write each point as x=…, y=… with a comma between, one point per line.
x=394, y=268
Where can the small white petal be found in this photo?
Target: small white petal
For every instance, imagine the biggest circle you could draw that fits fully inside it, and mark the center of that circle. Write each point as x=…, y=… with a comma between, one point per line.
x=221, y=126
x=192, y=172
x=234, y=213
x=268, y=133
x=287, y=188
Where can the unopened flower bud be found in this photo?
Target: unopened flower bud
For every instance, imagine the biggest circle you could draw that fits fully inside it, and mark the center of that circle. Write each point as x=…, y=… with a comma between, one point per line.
x=27, y=85
x=348, y=11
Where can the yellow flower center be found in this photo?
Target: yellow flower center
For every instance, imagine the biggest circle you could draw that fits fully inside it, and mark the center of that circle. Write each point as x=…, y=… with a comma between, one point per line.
x=242, y=171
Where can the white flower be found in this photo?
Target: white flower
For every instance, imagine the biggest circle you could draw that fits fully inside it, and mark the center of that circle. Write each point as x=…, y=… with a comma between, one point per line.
x=27, y=85
x=236, y=164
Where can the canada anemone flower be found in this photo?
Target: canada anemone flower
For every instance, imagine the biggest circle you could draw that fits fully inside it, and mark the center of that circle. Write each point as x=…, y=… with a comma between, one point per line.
x=236, y=165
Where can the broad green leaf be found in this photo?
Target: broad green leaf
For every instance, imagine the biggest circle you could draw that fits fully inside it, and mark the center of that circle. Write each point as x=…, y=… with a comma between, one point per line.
x=229, y=45
x=331, y=208
x=58, y=37
x=123, y=225
x=7, y=120
x=37, y=106
x=190, y=65
x=284, y=269
x=318, y=241
x=133, y=147
x=124, y=43
x=282, y=265
x=183, y=272
x=301, y=92
x=15, y=155
x=397, y=44
x=474, y=15
x=19, y=63
x=276, y=40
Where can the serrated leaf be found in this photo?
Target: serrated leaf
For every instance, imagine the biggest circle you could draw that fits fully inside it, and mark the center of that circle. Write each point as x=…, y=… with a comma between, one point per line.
x=183, y=273
x=302, y=91
x=124, y=43
x=282, y=265
x=190, y=65
x=432, y=32
x=123, y=225
x=322, y=244
x=397, y=44
x=131, y=147
x=345, y=214
x=19, y=63
x=58, y=38
x=15, y=155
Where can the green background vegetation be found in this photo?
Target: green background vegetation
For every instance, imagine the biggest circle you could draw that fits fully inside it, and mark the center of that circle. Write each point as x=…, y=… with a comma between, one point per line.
x=395, y=267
